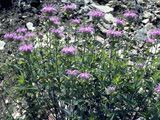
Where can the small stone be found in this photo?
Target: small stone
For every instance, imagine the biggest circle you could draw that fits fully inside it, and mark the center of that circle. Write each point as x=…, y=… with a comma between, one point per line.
x=145, y=21
x=109, y=17
x=30, y=26
x=2, y=44
x=103, y=8
x=147, y=14
x=140, y=1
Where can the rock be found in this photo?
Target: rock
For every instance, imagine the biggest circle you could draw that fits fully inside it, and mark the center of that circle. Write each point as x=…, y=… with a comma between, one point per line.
x=141, y=34
x=145, y=21
x=109, y=17
x=30, y=26
x=157, y=2
x=147, y=14
x=2, y=44
x=140, y=1
x=103, y=8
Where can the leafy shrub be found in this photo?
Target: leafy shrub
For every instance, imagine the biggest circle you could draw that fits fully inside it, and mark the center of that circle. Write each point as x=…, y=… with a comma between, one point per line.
x=65, y=71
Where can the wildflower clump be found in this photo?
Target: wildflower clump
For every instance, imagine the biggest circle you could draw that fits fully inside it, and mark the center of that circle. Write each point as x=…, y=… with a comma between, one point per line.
x=78, y=65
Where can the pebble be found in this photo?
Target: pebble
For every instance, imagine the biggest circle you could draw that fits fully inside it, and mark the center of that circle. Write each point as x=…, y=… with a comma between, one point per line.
x=2, y=44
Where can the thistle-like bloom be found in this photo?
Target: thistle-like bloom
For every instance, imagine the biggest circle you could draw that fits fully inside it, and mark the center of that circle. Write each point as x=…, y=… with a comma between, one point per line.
x=10, y=36
x=69, y=7
x=21, y=30
x=85, y=75
x=119, y=21
x=75, y=21
x=86, y=29
x=130, y=14
x=72, y=72
x=96, y=13
x=26, y=48
x=114, y=33
x=69, y=50
x=150, y=40
x=58, y=33
x=157, y=88
x=19, y=38
x=30, y=35
x=155, y=32
x=48, y=9
x=55, y=20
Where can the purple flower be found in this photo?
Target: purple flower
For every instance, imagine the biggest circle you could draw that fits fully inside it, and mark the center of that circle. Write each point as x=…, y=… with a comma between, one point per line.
x=157, y=88
x=55, y=20
x=86, y=29
x=75, y=21
x=130, y=14
x=85, y=75
x=48, y=9
x=150, y=40
x=155, y=32
x=58, y=33
x=21, y=30
x=114, y=33
x=72, y=72
x=26, y=48
x=70, y=50
x=69, y=7
x=10, y=36
x=119, y=21
x=30, y=35
x=19, y=38
x=96, y=13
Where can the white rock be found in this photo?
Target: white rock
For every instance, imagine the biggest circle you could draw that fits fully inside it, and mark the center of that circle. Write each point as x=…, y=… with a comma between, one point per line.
x=147, y=14
x=30, y=26
x=145, y=21
x=103, y=8
x=109, y=17
x=2, y=44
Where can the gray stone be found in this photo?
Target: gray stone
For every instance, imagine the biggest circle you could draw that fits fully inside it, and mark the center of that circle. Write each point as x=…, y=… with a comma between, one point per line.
x=109, y=17
x=2, y=44
x=145, y=21
x=147, y=14
x=103, y=8
x=142, y=33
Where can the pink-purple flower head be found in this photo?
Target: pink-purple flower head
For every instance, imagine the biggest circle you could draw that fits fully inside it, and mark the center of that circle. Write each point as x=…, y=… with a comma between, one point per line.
x=96, y=13
x=85, y=75
x=10, y=36
x=155, y=32
x=72, y=72
x=119, y=21
x=27, y=48
x=55, y=20
x=150, y=40
x=157, y=88
x=21, y=30
x=114, y=33
x=70, y=7
x=86, y=29
x=58, y=33
x=76, y=21
x=19, y=38
x=130, y=14
x=30, y=35
x=48, y=9
x=69, y=50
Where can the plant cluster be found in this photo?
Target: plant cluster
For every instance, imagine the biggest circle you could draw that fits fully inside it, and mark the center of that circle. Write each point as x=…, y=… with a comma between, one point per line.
x=66, y=72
